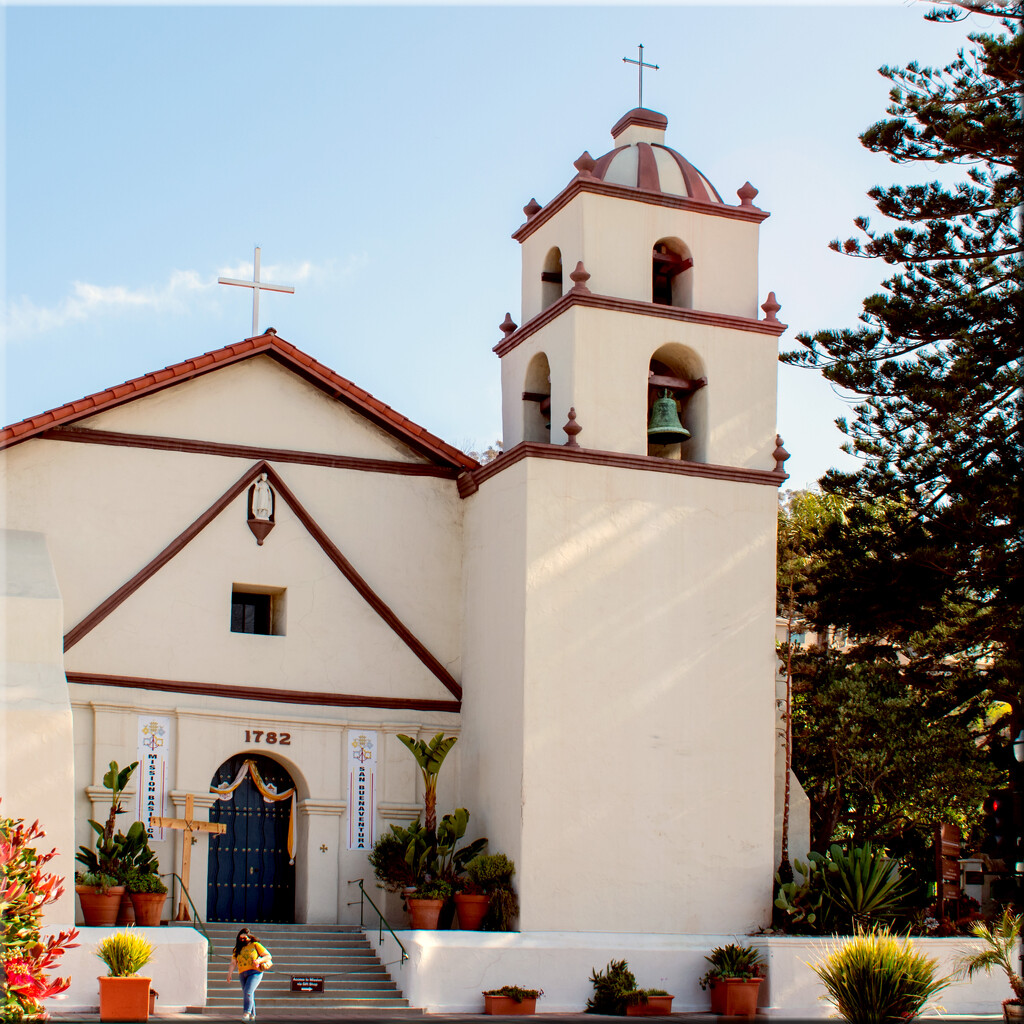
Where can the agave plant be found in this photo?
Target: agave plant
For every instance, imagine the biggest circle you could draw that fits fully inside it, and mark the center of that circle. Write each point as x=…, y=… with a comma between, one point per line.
x=999, y=950
x=874, y=978
x=862, y=884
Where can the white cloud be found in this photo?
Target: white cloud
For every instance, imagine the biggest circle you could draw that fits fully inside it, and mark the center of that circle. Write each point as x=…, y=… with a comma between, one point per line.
x=178, y=295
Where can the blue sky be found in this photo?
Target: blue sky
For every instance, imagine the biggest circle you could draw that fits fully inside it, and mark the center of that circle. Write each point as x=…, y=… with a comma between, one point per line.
x=381, y=158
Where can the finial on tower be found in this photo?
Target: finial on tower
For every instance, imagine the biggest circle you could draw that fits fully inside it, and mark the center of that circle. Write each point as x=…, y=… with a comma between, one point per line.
x=508, y=325
x=780, y=455
x=579, y=278
x=584, y=163
x=531, y=208
x=746, y=192
x=572, y=428
x=771, y=307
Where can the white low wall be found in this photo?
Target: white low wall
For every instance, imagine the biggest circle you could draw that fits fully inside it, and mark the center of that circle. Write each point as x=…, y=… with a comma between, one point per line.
x=178, y=969
x=448, y=970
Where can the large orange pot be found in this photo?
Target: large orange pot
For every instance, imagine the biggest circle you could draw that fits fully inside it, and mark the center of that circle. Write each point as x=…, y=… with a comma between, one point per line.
x=124, y=998
x=506, y=1006
x=149, y=907
x=99, y=909
x=125, y=911
x=472, y=909
x=424, y=913
x=735, y=997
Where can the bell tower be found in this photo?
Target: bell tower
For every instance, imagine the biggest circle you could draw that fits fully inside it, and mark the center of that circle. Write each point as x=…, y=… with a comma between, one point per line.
x=619, y=720
x=639, y=283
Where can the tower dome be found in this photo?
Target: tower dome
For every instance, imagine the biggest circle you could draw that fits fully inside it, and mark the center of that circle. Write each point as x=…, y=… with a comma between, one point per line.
x=642, y=160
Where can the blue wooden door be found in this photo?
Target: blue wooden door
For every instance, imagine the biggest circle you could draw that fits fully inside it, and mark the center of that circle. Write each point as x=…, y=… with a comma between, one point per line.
x=249, y=877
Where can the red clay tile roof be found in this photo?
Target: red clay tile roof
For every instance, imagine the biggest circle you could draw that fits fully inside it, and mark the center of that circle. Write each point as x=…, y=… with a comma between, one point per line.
x=271, y=345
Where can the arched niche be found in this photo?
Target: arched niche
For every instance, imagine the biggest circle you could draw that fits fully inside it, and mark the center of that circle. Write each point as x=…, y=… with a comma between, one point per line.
x=680, y=371
x=672, y=273
x=551, y=278
x=537, y=400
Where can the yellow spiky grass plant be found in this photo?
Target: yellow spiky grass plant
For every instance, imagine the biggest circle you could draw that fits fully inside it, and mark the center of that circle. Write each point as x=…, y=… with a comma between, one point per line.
x=876, y=977
x=125, y=953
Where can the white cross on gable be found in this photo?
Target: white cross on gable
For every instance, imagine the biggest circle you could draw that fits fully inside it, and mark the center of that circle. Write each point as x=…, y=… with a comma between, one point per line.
x=257, y=286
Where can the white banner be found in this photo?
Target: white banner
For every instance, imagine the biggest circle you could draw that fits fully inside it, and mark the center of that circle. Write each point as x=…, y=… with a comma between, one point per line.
x=152, y=771
x=362, y=804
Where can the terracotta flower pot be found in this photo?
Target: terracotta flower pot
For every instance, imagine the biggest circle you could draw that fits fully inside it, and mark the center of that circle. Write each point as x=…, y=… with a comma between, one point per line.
x=735, y=997
x=506, y=1006
x=1012, y=1010
x=424, y=913
x=149, y=907
x=124, y=998
x=656, y=1006
x=99, y=909
x=471, y=909
x=125, y=911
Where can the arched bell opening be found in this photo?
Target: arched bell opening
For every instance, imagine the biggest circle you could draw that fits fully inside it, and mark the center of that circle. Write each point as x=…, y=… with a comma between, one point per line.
x=677, y=405
x=672, y=273
x=251, y=866
x=551, y=278
x=537, y=400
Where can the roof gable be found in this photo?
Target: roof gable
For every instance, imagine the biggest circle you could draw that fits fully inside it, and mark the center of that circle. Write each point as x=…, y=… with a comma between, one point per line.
x=283, y=352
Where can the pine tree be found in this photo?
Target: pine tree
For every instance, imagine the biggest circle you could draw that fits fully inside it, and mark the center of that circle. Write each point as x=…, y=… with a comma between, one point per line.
x=937, y=565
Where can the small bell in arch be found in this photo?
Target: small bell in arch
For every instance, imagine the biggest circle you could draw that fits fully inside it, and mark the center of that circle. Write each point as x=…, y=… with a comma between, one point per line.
x=664, y=426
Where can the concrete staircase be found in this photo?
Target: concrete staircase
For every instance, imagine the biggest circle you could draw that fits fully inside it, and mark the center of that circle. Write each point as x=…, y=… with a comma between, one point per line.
x=355, y=982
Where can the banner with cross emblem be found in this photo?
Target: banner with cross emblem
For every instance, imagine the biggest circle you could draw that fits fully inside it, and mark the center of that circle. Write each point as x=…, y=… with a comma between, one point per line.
x=154, y=735
x=362, y=763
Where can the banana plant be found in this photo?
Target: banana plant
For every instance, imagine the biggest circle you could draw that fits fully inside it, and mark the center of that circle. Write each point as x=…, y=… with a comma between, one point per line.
x=430, y=756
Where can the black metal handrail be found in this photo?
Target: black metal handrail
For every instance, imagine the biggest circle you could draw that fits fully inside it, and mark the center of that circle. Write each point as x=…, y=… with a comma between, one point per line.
x=197, y=919
x=382, y=923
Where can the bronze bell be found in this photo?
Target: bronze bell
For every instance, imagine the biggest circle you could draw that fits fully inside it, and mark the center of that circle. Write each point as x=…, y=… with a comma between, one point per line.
x=664, y=426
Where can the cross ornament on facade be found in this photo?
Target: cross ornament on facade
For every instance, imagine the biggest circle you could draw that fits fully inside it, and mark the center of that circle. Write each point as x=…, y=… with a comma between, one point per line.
x=257, y=286
x=640, y=71
x=188, y=825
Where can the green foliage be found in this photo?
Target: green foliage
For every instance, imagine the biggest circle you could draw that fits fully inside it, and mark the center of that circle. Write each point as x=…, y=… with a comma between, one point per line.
x=733, y=961
x=612, y=987
x=929, y=562
x=639, y=996
x=999, y=949
x=117, y=854
x=875, y=978
x=387, y=858
x=862, y=886
x=516, y=993
x=97, y=880
x=437, y=889
x=125, y=953
x=143, y=882
x=25, y=890
x=799, y=903
x=492, y=874
x=430, y=756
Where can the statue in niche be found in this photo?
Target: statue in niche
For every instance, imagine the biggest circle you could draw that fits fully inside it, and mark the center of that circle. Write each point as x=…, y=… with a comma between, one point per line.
x=262, y=499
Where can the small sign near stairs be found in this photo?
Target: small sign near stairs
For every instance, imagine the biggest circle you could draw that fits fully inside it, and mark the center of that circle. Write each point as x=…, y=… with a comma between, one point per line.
x=353, y=977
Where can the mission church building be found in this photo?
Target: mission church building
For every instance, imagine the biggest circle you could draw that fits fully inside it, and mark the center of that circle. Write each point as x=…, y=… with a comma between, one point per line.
x=249, y=574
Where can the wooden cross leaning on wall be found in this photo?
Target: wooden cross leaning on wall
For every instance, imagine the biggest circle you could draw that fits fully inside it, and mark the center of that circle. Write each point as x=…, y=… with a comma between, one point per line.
x=188, y=825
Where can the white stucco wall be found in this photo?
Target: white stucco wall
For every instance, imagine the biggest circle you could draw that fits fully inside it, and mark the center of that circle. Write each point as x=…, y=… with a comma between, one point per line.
x=447, y=971
x=36, y=775
x=178, y=969
x=647, y=682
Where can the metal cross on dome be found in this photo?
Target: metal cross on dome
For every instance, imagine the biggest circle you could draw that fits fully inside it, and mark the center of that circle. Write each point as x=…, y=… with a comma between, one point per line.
x=257, y=286
x=640, y=71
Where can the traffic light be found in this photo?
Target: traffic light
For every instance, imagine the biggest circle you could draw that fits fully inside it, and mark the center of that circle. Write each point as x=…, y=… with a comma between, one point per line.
x=999, y=839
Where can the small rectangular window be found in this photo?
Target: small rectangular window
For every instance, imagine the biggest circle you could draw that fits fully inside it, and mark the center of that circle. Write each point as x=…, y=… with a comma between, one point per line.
x=257, y=610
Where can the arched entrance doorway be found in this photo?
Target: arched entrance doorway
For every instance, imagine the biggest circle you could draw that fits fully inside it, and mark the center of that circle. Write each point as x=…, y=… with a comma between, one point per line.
x=250, y=877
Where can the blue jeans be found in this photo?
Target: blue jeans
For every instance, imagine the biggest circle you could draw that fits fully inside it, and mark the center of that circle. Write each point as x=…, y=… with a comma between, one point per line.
x=249, y=980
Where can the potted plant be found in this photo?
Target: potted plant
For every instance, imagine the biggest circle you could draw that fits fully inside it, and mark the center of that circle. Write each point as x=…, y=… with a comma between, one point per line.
x=491, y=874
x=123, y=994
x=148, y=895
x=511, y=1001
x=471, y=904
x=612, y=988
x=100, y=896
x=999, y=949
x=648, y=1002
x=734, y=978
x=426, y=902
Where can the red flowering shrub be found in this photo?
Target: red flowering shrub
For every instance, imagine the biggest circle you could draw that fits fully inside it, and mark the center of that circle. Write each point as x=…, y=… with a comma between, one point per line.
x=24, y=890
